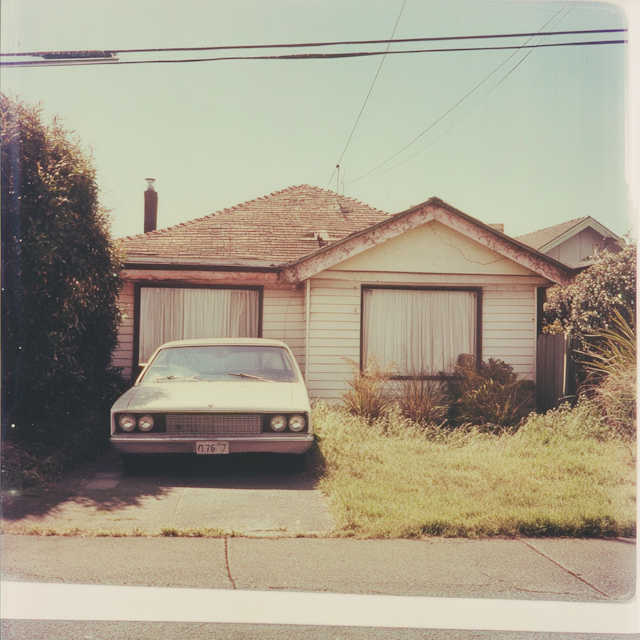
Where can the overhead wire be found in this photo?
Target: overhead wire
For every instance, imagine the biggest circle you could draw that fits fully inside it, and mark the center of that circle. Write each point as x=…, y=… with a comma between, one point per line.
x=300, y=56
x=318, y=44
x=368, y=94
x=375, y=169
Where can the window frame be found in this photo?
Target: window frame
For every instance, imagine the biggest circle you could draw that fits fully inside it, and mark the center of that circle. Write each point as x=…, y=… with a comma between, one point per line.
x=479, y=307
x=137, y=289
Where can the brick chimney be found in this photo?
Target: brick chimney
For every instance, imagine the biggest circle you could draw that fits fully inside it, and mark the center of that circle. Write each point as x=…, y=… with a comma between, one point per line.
x=150, y=207
x=498, y=226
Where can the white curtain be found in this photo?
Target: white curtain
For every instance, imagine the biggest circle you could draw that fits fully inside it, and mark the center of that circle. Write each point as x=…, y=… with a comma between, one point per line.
x=423, y=332
x=177, y=314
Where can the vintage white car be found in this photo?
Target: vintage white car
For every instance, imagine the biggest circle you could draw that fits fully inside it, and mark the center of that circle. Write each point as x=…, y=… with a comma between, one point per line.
x=208, y=397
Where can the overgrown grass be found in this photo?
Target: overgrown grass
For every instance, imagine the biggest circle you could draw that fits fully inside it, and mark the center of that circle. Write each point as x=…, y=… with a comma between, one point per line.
x=50, y=449
x=558, y=475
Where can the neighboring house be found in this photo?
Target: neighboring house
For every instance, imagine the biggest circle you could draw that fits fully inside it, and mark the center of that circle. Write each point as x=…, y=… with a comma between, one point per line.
x=573, y=242
x=337, y=281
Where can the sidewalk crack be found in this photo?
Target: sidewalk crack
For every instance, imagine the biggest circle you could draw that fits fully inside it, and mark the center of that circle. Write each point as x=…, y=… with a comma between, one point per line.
x=561, y=566
x=226, y=559
x=177, y=505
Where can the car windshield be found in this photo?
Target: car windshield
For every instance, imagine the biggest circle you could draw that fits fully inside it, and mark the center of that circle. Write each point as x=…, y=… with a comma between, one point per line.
x=221, y=362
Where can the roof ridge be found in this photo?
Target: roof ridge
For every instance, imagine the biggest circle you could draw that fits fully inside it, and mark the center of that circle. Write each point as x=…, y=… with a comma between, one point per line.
x=242, y=205
x=559, y=224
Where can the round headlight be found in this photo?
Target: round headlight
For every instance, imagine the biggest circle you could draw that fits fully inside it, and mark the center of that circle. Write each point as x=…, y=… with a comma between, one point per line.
x=296, y=423
x=145, y=423
x=127, y=422
x=278, y=423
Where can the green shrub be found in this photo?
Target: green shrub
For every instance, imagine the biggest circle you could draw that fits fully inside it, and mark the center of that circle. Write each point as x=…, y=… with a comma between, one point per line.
x=490, y=394
x=587, y=304
x=422, y=401
x=610, y=362
x=369, y=395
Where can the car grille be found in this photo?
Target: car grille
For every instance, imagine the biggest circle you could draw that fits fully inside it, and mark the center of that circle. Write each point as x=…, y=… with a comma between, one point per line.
x=214, y=424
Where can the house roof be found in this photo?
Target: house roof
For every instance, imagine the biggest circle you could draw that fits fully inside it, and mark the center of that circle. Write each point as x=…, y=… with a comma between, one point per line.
x=550, y=237
x=279, y=228
x=433, y=209
x=279, y=233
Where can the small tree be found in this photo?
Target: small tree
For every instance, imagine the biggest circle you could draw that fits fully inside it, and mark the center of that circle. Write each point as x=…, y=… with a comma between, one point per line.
x=589, y=303
x=61, y=274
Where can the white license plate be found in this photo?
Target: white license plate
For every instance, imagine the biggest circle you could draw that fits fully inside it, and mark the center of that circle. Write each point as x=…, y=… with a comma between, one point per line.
x=212, y=447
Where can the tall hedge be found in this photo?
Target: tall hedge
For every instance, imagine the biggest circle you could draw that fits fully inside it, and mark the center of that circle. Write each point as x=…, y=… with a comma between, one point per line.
x=60, y=275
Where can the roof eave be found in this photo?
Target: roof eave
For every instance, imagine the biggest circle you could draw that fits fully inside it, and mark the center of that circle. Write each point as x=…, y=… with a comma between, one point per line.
x=432, y=209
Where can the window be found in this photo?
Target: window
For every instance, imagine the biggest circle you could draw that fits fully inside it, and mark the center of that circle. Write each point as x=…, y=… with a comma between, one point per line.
x=176, y=314
x=422, y=330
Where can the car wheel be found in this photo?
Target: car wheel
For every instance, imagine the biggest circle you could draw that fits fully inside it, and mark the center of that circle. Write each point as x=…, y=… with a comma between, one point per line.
x=295, y=462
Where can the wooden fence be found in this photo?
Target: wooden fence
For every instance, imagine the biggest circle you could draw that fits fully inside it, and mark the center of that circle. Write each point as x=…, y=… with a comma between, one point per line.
x=556, y=375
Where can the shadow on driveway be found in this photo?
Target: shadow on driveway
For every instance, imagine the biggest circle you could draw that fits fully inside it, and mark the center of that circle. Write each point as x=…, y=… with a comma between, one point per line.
x=248, y=490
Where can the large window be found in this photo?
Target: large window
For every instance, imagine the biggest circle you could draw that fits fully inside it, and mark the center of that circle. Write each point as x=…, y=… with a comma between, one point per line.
x=422, y=331
x=176, y=314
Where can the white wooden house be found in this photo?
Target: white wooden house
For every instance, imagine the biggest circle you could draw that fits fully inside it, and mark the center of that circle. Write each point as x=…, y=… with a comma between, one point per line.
x=338, y=281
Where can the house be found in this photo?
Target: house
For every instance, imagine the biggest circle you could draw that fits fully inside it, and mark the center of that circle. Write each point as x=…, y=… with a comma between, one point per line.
x=573, y=242
x=338, y=281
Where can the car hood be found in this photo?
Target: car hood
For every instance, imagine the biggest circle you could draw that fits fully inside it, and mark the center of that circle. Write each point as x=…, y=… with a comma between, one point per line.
x=215, y=396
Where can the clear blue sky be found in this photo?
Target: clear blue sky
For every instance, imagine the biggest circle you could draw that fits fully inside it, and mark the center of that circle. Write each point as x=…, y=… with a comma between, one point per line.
x=547, y=145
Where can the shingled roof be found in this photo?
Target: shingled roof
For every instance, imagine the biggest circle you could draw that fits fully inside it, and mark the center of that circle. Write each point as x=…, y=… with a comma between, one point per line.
x=275, y=229
x=541, y=238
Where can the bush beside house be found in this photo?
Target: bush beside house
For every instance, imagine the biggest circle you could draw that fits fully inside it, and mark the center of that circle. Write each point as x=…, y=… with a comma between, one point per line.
x=61, y=279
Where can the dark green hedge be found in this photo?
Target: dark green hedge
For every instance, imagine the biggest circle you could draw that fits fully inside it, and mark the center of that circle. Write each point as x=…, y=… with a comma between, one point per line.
x=60, y=276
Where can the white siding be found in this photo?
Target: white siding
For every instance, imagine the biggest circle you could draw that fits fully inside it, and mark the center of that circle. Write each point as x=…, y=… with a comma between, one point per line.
x=283, y=318
x=123, y=354
x=508, y=322
x=509, y=326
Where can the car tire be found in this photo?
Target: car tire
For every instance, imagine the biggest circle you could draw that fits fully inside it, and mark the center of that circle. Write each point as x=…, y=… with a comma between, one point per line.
x=295, y=462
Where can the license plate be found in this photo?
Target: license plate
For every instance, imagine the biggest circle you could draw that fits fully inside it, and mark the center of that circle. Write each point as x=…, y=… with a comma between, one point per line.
x=212, y=447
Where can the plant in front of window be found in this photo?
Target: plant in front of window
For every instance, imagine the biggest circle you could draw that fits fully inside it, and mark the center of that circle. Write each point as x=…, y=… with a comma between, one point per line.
x=488, y=395
x=422, y=401
x=368, y=395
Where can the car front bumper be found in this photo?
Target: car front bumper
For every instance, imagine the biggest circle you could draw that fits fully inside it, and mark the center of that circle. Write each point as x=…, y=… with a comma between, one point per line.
x=144, y=444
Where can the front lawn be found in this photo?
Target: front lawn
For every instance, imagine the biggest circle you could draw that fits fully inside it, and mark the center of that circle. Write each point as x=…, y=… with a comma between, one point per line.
x=559, y=475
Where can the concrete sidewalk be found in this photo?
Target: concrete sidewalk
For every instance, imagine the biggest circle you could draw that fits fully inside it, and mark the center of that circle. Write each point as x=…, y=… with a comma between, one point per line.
x=525, y=569
x=270, y=512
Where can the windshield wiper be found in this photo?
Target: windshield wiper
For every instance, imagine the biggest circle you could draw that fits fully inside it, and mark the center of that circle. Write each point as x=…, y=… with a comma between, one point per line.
x=191, y=378
x=248, y=375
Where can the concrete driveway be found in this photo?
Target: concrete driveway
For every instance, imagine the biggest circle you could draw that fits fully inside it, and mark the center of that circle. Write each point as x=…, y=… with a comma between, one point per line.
x=250, y=495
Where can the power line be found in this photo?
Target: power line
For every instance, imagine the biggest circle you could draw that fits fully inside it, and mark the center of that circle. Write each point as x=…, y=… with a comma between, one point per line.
x=368, y=94
x=79, y=54
x=458, y=103
x=302, y=56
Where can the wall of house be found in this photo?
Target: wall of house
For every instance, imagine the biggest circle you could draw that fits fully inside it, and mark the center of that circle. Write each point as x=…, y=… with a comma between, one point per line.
x=123, y=355
x=283, y=318
x=508, y=321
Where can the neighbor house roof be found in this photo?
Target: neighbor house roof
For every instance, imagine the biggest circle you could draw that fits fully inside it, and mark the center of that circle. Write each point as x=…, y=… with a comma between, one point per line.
x=273, y=230
x=550, y=237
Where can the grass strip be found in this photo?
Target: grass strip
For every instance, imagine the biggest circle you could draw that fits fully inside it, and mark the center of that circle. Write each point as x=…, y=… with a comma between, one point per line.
x=164, y=532
x=558, y=475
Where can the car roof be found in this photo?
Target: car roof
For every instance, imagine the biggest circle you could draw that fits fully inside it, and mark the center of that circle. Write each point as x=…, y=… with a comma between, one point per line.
x=201, y=342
